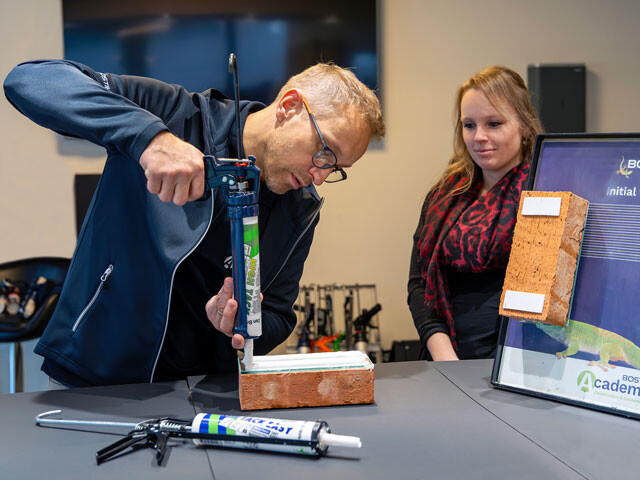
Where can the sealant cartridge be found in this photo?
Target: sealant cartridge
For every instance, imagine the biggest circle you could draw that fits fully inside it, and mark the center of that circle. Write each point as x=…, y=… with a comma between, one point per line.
x=289, y=436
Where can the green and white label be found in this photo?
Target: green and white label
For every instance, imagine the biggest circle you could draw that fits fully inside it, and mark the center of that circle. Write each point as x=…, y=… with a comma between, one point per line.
x=252, y=275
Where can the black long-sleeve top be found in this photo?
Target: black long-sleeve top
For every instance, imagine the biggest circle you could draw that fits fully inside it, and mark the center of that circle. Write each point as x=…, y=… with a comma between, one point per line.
x=475, y=298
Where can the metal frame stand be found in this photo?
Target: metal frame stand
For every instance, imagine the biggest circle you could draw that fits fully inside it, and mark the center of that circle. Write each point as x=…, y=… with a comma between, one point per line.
x=15, y=368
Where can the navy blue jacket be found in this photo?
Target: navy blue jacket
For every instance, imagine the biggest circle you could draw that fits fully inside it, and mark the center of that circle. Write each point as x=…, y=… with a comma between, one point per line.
x=111, y=319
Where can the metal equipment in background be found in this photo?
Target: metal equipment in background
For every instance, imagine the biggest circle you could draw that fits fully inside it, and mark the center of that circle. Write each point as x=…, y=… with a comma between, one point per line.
x=323, y=309
x=362, y=326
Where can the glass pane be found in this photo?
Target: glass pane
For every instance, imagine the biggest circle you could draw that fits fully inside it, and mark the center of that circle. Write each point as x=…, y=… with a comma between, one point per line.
x=335, y=176
x=324, y=158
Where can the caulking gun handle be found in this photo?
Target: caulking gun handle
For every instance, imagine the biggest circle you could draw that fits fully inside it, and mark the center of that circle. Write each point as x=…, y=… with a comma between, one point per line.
x=210, y=174
x=160, y=445
x=218, y=175
x=209, y=170
x=133, y=438
x=253, y=173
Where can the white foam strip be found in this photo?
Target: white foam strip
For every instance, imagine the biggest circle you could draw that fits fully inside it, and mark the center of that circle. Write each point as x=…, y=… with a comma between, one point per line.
x=329, y=356
x=523, y=301
x=310, y=361
x=257, y=366
x=547, y=206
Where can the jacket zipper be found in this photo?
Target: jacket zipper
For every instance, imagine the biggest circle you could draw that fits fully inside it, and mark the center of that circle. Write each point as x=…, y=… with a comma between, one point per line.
x=103, y=279
x=155, y=364
x=166, y=322
x=317, y=212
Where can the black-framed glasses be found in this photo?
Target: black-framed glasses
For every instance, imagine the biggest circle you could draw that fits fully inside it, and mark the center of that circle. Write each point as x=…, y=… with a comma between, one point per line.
x=325, y=158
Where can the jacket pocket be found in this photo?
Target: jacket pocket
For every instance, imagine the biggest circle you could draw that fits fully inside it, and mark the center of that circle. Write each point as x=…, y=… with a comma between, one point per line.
x=83, y=313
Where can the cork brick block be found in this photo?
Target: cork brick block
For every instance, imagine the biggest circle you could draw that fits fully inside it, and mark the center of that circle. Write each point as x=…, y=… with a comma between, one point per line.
x=544, y=255
x=307, y=380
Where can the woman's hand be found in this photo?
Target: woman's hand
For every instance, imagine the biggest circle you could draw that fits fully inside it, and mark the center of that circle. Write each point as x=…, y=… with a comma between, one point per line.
x=440, y=347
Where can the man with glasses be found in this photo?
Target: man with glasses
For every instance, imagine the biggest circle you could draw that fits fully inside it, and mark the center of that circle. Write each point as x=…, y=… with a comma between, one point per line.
x=138, y=302
x=325, y=158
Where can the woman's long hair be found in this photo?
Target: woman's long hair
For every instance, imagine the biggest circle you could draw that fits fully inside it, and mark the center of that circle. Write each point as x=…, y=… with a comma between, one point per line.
x=508, y=94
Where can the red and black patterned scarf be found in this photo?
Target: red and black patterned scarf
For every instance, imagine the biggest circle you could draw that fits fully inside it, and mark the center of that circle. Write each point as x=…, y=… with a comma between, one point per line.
x=467, y=233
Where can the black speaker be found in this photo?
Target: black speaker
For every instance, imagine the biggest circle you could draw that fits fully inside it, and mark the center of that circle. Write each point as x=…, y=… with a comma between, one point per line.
x=405, y=350
x=558, y=93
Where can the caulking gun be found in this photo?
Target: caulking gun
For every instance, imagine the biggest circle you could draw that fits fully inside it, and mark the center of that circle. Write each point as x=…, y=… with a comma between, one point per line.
x=240, y=181
x=276, y=435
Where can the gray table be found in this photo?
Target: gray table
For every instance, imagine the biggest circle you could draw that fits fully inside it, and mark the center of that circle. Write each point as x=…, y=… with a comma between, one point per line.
x=595, y=444
x=430, y=420
x=421, y=426
x=31, y=452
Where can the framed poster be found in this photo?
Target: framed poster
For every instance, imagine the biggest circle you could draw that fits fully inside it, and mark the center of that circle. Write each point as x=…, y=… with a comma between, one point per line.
x=594, y=361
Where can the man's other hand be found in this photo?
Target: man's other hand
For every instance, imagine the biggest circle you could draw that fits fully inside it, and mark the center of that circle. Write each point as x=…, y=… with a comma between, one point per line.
x=174, y=169
x=221, y=310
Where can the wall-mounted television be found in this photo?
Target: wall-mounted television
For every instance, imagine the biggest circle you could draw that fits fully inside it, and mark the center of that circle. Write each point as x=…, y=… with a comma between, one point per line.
x=188, y=41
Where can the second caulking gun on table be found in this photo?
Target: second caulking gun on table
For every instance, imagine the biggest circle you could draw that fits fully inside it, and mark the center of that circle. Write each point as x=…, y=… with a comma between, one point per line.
x=240, y=181
x=255, y=433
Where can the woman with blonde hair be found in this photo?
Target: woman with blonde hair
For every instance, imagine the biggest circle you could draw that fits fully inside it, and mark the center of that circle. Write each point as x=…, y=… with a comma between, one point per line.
x=463, y=240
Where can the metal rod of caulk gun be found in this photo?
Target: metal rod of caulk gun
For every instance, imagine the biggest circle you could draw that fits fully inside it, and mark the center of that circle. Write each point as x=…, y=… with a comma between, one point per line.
x=239, y=275
x=233, y=69
x=243, y=216
x=42, y=419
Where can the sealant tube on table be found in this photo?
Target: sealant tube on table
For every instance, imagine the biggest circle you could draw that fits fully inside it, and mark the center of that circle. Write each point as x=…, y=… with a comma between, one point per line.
x=289, y=436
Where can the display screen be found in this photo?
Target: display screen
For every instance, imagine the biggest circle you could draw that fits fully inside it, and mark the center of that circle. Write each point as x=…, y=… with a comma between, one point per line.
x=595, y=360
x=188, y=42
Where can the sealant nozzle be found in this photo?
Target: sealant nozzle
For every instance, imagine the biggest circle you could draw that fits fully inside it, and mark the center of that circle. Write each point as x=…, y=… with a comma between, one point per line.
x=331, y=440
x=248, y=353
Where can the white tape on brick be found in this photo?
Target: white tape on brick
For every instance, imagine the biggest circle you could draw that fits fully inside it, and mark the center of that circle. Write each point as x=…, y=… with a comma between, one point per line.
x=523, y=301
x=547, y=206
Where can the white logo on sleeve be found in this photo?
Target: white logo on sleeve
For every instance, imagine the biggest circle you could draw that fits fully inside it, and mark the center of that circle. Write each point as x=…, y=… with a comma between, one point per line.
x=105, y=81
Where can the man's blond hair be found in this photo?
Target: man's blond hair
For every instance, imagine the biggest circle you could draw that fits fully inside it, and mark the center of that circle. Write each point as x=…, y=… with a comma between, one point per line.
x=331, y=90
